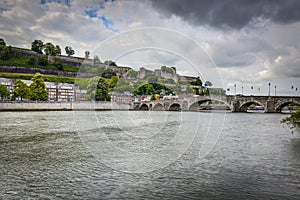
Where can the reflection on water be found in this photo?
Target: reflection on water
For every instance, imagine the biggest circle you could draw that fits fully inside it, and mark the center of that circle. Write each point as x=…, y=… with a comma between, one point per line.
x=44, y=155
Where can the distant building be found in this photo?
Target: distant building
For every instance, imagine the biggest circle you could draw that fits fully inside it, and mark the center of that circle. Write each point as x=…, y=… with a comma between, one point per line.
x=58, y=92
x=64, y=92
x=80, y=95
x=9, y=83
x=143, y=72
x=157, y=72
x=120, y=70
x=186, y=79
x=174, y=77
x=126, y=97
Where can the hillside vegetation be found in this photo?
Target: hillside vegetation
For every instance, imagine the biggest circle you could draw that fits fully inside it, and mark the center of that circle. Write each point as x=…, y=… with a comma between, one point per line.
x=32, y=62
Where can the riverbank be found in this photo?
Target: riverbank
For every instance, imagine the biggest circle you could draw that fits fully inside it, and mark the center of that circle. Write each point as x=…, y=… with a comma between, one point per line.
x=63, y=106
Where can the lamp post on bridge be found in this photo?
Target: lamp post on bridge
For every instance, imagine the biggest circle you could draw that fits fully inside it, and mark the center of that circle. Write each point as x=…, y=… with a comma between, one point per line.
x=269, y=88
x=295, y=91
x=275, y=90
x=242, y=90
x=234, y=89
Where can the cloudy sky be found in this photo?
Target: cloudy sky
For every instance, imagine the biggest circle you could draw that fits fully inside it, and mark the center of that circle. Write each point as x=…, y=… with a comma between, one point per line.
x=242, y=42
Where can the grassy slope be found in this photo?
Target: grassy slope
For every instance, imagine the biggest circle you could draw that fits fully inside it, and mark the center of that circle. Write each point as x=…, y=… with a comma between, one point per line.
x=48, y=78
x=21, y=61
x=80, y=82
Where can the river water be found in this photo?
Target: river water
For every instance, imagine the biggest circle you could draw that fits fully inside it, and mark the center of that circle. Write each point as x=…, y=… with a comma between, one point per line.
x=147, y=155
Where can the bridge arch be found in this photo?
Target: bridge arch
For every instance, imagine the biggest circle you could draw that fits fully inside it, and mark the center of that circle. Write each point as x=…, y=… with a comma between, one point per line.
x=244, y=106
x=144, y=107
x=195, y=105
x=280, y=106
x=175, y=107
x=158, y=106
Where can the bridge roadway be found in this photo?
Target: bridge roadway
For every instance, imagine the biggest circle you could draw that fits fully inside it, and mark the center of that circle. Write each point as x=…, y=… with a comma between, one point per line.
x=236, y=103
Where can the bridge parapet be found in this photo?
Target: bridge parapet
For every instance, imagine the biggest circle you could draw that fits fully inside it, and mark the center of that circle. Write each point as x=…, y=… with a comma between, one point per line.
x=271, y=104
x=237, y=103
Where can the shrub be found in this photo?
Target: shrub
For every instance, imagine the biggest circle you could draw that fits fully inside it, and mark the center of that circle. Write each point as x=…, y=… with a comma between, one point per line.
x=59, y=65
x=31, y=60
x=4, y=54
x=293, y=121
x=43, y=61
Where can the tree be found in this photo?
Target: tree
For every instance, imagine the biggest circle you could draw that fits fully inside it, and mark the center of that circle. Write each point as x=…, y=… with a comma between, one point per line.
x=38, y=88
x=174, y=69
x=176, y=88
x=37, y=46
x=131, y=74
x=189, y=89
x=22, y=90
x=123, y=86
x=113, y=81
x=217, y=91
x=97, y=89
x=151, y=88
x=293, y=121
x=208, y=83
x=2, y=42
x=144, y=89
x=4, y=93
x=49, y=49
x=86, y=54
x=108, y=73
x=2, y=47
x=5, y=53
x=58, y=50
x=69, y=51
x=197, y=82
x=110, y=63
x=197, y=92
x=171, y=70
x=96, y=60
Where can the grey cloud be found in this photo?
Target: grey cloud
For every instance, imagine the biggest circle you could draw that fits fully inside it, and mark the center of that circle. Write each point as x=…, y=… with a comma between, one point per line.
x=223, y=60
x=17, y=20
x=226, y=14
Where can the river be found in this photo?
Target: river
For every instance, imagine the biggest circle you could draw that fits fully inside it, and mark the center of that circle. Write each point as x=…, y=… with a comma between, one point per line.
x=147, y=155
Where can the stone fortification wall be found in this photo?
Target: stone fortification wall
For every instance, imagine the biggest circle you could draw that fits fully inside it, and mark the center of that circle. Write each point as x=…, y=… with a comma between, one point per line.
x=70, y=60
x=25, y=52
x=166, y=75
x=25, y=70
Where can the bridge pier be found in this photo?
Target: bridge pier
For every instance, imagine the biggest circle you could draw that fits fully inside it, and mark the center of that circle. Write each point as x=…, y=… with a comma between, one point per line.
x=270, y=107
x=235, y=106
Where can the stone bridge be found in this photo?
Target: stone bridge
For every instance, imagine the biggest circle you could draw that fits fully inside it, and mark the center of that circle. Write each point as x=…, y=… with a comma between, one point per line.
x=236, y=103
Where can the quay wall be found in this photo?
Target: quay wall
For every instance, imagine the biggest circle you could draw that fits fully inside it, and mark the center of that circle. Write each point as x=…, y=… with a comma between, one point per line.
x=61, y=106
